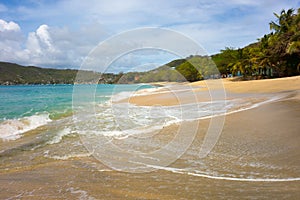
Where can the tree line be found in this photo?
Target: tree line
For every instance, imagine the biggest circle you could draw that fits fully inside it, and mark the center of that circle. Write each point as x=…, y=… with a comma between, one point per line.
x=276, y=54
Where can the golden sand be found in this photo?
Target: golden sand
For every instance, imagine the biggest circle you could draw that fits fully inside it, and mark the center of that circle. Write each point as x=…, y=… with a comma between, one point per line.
x=200, y=91
x=258, y=86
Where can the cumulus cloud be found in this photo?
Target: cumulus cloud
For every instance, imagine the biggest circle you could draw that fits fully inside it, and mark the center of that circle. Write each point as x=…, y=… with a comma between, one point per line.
x=9, y=26
x=9, y=32
x=43, y=34
x=17, y=48
x=48, y=46
x=43, y=50
x=10, y=40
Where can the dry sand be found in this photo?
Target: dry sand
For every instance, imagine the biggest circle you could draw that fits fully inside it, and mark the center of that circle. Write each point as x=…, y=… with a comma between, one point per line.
x=263, y=86
x=200, y=91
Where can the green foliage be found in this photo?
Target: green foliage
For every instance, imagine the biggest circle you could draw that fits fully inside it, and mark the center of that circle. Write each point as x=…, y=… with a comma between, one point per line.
x=160, y=74
x=189, y=71
x=197, y=68
x=11, y=74
x=278, y=52
x=225, y=59
x=176, y=63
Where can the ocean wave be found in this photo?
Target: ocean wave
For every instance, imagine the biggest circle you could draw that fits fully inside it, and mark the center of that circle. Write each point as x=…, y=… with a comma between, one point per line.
x=13, y=129
x=121, y=120
x=141, y=132
x=121, y=96
x=124, y=119
x=149, y=91
x=204, y=175
x=58, y=138
x=127, y=94
x=81, y=194
x=68, y=156
x=166, y=89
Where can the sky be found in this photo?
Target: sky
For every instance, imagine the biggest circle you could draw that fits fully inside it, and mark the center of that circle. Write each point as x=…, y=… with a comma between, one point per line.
x=62, y=33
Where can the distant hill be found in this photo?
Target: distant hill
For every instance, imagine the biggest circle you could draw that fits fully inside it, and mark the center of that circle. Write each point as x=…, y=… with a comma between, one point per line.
x=13, y=74
x=175, y=71
x=192, y=68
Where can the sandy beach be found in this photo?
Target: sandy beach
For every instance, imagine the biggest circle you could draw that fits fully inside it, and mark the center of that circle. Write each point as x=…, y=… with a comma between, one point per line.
x=256, y=157
x=269, y=132
x=149, y=100
x=200, y=90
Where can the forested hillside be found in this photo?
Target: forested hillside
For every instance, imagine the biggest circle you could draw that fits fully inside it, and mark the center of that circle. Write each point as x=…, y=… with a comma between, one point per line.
x=12, y=74
x=276, y=54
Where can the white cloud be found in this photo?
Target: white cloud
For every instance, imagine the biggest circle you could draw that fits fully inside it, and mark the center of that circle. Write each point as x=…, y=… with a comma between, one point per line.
x=44, y=36
x=33, y=44
x=67, y=33
x=43, y=50
x=9, y=26
x=39, y=43
x=48, y=46
x=10, y=40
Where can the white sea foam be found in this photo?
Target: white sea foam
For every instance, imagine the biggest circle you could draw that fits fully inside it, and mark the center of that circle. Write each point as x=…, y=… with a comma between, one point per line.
x=163, y=90
x=121, y=96
x=56, y=139
x=123, y=134
x=203, y=175
x=68, y=156
x=121, y=120
x=149, y=91
x=81, y=194
x=13, y=129
x=124, y=119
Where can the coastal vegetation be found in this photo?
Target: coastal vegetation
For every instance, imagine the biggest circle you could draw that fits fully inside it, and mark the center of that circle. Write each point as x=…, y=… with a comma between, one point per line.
x=14, y=74
x=276, y=54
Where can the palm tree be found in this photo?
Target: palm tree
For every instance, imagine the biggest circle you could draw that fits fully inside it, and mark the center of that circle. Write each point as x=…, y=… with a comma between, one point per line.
x=285, y=20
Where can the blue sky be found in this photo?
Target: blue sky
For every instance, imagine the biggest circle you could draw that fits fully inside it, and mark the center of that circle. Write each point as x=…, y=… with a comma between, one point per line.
x=61, y=33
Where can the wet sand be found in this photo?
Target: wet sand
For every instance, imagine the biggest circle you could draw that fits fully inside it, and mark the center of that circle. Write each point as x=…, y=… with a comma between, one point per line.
x=255, y=146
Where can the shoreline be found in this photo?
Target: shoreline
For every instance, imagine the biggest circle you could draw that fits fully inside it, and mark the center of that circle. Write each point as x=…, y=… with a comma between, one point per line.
x=202, y=90
x=255, y=140
x=257, y=155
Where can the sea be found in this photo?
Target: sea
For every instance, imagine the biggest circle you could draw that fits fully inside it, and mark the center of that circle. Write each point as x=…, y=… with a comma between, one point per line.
x=24, y=108
x=27, y=107
x=90, y=142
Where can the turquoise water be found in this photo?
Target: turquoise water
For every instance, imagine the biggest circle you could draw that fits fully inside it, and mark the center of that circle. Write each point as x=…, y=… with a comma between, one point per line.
x=26, y=107
x=28, y=100
x=96, y=109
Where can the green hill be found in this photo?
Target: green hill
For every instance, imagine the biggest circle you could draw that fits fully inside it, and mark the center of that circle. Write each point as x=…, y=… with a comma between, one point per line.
x=13, y=74
x=192, y=68
x=16, y=74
